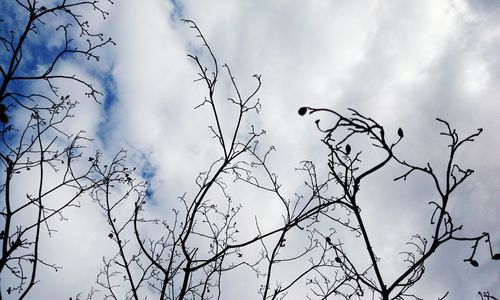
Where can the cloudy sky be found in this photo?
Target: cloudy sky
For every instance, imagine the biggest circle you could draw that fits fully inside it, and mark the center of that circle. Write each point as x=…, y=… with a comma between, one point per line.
x=403, y=63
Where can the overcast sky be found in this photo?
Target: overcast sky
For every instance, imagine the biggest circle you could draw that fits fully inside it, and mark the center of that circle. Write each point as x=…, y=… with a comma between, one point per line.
x=404, y=63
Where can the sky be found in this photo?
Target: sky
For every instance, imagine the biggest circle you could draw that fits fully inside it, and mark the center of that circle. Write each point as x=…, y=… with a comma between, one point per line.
x=403, y=63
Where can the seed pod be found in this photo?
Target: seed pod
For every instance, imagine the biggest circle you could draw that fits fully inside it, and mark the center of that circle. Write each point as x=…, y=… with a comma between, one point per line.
x=302, y=111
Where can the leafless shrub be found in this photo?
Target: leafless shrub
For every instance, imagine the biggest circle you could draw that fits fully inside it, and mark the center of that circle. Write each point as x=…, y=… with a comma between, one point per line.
x=41, y=162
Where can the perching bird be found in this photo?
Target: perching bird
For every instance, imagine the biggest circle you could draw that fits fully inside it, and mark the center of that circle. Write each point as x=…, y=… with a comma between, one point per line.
x=400, y=132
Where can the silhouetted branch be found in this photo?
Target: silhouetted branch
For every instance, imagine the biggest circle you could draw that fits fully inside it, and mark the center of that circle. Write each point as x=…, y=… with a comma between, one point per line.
x=41, y=154
x=346, y=169
x=191, y=252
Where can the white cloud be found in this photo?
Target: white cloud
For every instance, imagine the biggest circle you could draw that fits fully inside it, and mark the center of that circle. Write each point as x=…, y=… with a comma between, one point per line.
x=404, y=63
x=378, y=57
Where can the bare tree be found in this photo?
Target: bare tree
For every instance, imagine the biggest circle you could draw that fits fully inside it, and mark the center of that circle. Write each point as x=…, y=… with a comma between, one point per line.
x=43, y=171
x=192, y=253
x=173, y=265
x=349, y=173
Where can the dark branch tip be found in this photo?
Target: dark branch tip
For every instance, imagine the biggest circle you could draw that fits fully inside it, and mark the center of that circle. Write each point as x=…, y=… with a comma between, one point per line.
x=302, y=111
